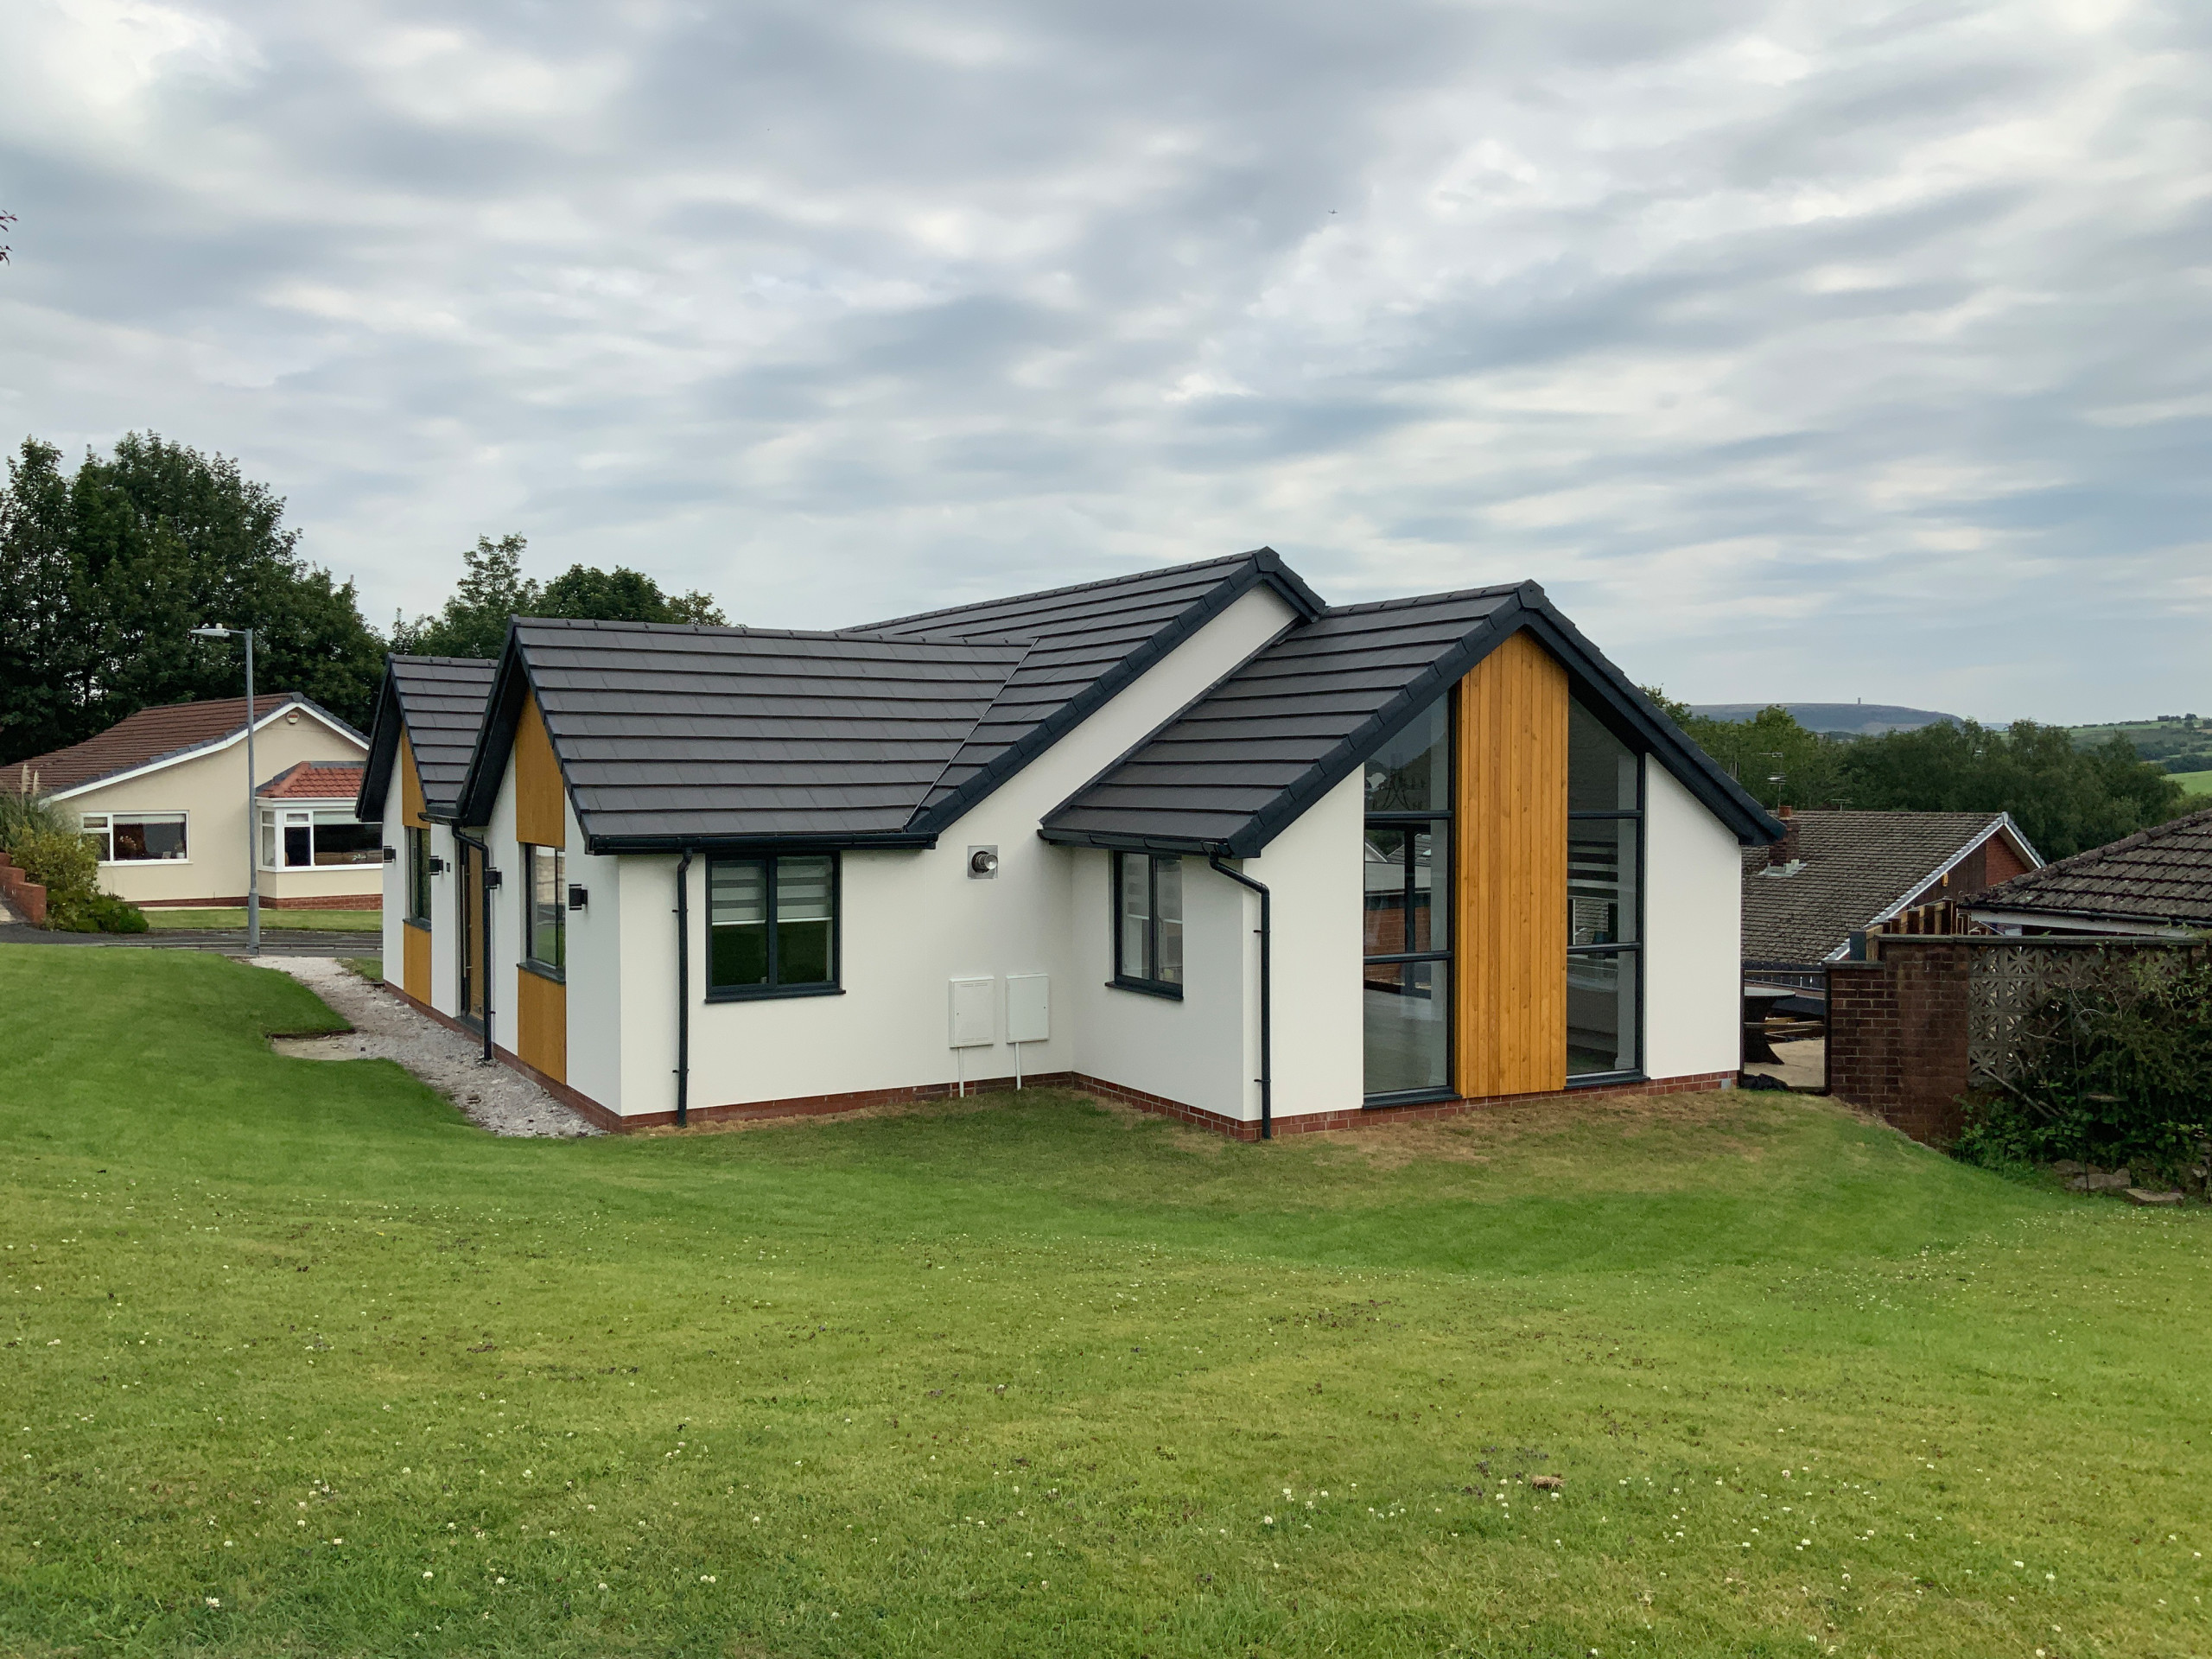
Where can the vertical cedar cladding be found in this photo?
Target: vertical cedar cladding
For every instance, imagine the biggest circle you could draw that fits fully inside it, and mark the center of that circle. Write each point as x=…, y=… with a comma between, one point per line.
x=415, y=961
x=541, y=1024
x=410, y=788
x=1512, y=874
x=541, y=1004
x=539, y=819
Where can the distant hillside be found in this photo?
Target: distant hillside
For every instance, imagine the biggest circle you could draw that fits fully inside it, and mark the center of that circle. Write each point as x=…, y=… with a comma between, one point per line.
x=1854, y=719
x=2177, y=742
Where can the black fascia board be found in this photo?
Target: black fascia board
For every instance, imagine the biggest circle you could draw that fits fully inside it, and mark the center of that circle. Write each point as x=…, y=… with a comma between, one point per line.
x=858, y=841
x=1727, y=800
x=1119, y=842
x=384, y=748
x=1264, y=568
x=1529, y=608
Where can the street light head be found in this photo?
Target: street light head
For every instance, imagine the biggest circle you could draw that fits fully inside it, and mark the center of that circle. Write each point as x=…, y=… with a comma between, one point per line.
x=213, y=633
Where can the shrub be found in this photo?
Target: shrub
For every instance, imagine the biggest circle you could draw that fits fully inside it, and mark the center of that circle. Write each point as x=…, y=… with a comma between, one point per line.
x=61, y=860
x=2117, y=1074
x=50, y=849
x=79, y=912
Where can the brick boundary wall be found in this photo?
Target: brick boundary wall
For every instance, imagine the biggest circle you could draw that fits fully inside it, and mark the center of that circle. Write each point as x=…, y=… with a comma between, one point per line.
x=1159, y=1105
x=25, y=897
x=1898, y=1028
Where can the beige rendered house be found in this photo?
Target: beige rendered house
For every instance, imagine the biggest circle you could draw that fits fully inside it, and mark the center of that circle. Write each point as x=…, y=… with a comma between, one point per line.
x=163, y=794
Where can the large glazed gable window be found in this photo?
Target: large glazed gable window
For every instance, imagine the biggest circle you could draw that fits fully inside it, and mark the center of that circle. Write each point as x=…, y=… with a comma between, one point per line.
x=1604, y=904
x=772, y=925
x=1148, y=924
x=1406, y=991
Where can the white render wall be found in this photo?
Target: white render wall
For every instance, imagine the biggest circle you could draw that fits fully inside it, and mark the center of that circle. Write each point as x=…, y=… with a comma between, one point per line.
x=1315, y=871
x=595, y=982
x=1202, y=1050
x=911, y=922
x=1693, y=911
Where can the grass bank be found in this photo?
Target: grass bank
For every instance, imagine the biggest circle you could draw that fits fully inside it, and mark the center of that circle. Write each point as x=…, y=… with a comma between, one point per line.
x=2196, y=783
x=321, y=921
x=297, y=1362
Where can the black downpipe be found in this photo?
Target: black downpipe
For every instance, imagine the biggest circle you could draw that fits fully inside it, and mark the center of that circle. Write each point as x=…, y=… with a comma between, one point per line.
x=684, y=989
x=1267, y=993
x=484, y=948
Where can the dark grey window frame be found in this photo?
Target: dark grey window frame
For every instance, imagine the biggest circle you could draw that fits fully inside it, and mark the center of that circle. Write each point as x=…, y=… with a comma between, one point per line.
x=417, y=840
x=771, y=991
x=531, y=961
x=1640, y=816
x=1171, y=989
x=1443, y=823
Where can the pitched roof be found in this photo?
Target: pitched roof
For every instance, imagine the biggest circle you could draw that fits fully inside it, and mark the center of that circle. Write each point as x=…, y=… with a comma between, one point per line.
x=680, y=734
x=1228, y=773
x=314, y=780
x=2161, y=876
x=439, y=702
x=153, y=736
x=1091, y=640
x=1856, y=868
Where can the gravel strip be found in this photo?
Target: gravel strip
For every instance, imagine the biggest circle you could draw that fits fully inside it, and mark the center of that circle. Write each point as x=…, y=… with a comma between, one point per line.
x=494, y=1097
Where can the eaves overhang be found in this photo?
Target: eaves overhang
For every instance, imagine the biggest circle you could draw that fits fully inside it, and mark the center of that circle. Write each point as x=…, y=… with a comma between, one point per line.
x=856, y=840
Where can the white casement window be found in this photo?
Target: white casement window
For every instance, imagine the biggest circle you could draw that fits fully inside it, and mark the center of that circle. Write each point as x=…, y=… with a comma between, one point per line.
x=303, y=838
x=137, y=837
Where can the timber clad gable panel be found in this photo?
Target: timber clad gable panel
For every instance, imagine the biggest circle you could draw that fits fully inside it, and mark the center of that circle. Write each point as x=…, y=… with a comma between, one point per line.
x=539, y=819
x=410, y=788
x=1511, y=831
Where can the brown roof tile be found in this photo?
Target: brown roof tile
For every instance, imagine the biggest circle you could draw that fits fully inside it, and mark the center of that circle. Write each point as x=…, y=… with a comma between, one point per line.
x=1856, y=865
x=315, y=780
x=150, y=735
x=2161, y=876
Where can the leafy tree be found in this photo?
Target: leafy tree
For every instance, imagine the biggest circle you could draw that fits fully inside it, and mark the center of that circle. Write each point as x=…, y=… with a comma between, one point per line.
x=492, y=589
x=108, y=568
x=1777, y=759
x=2065, y=799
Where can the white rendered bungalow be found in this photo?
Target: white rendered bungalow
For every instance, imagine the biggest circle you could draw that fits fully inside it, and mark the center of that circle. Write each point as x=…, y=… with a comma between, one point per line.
x=1189, y=839
x=430, y=710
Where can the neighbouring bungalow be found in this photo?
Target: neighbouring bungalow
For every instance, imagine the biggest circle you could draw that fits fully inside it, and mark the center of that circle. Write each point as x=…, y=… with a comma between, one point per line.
x=1835, y=873
x=162, y=794
x=429, y=712
x=2156, y=880
x=1189, y=839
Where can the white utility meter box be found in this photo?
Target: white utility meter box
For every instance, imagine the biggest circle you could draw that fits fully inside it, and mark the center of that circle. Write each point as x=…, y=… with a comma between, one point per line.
x=973, y=1025
x=1028, y=1007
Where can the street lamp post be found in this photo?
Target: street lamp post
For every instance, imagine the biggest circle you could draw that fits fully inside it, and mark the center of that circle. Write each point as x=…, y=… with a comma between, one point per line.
x=253, y=847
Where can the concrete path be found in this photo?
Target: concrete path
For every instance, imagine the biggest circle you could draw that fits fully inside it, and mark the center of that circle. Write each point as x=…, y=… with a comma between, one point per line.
x=494, y=1097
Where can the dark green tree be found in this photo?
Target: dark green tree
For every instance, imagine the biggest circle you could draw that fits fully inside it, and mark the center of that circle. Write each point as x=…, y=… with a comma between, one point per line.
x=107, y=570
x=492, y=589
x=1777, y=759
x=2065, y=798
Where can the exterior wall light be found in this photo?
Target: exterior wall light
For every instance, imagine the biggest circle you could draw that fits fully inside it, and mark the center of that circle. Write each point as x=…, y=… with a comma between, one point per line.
x=982, y=863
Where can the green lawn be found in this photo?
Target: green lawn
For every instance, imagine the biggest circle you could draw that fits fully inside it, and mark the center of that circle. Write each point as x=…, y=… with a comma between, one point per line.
x=298, y=1362
x=332, y=921
x=2196, y=783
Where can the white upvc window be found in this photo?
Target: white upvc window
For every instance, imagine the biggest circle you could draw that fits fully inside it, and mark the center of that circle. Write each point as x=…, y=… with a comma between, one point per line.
x=303, y=838
x=137, y=837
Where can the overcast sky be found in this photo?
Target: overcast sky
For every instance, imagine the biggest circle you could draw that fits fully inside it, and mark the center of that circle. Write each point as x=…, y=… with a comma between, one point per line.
x=1828, y=350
